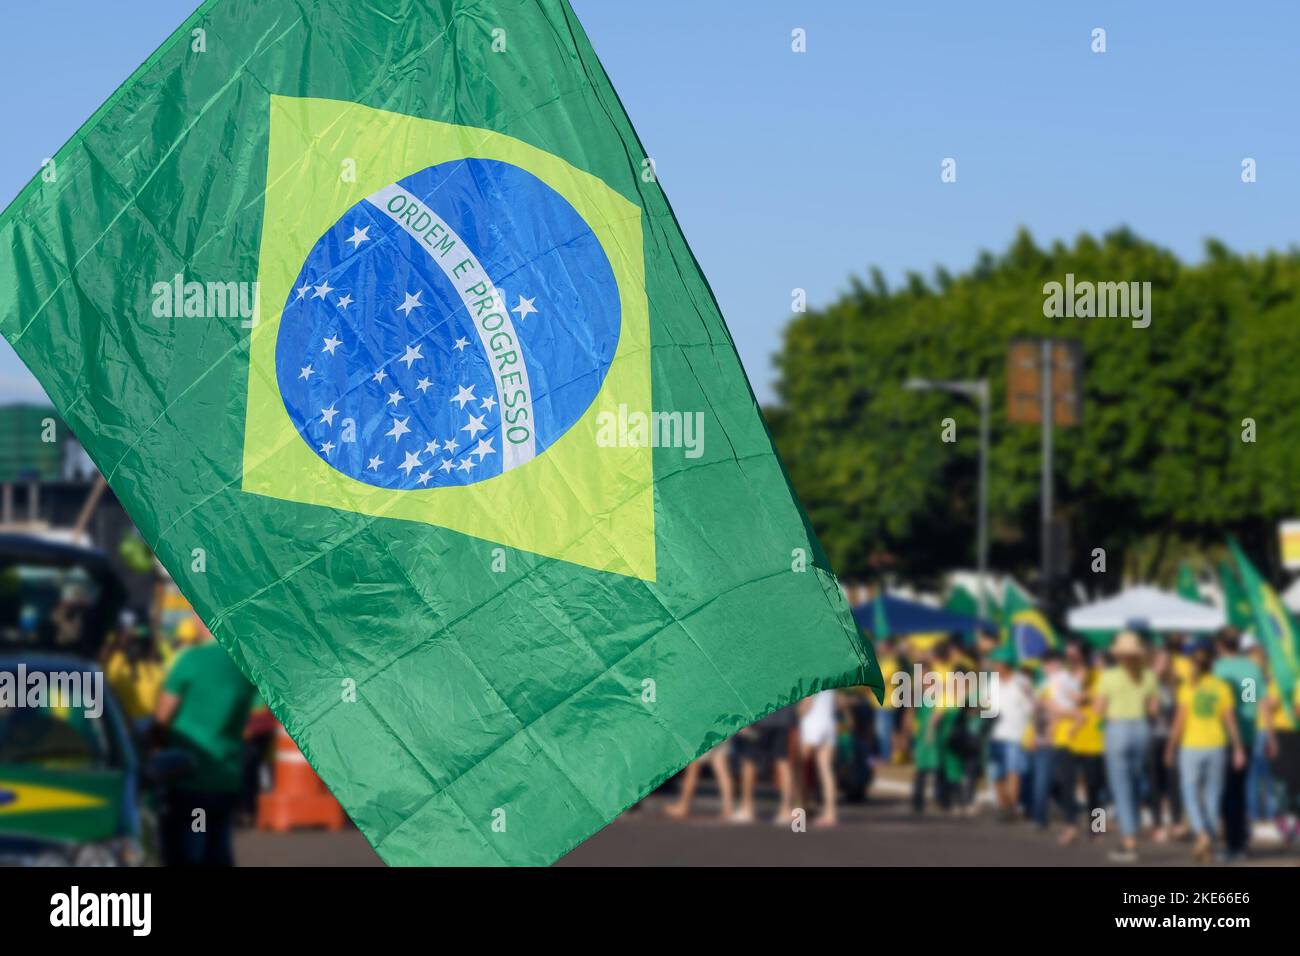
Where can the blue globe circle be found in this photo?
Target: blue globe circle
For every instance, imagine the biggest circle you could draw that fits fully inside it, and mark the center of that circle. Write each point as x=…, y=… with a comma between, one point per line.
x=448, y=328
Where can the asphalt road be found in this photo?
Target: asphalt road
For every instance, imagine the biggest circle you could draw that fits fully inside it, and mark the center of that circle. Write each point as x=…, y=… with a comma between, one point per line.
x=881, y=833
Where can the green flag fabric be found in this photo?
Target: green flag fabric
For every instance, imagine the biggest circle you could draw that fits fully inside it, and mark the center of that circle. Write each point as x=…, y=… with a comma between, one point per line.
x=1272, y=626
x=1236, y=603
x=1187, y=587
x=376, y=319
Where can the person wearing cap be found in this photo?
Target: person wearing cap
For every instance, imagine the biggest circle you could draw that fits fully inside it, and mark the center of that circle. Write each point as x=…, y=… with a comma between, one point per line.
x=1127, y=696
x=1205, y=724
x=1247, y=683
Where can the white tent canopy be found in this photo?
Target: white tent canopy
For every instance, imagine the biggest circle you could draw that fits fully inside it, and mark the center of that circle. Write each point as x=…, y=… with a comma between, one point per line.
x=1146, y=609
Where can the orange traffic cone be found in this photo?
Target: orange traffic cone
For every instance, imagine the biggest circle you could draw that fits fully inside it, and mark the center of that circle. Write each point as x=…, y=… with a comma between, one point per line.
x=297, y=797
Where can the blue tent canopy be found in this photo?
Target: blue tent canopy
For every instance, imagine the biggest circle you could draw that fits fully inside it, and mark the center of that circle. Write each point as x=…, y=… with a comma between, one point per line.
x=903, y=617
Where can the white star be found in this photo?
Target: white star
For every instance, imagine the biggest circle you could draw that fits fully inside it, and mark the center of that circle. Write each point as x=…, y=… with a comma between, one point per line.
x=303, y=290
x=411, y=356
x=446, y=464
x=395, y=397
x=345, y=301
x=464, y=396
x=323, y=289
x=327, y=414
x=327, y=447
x=399, y=428
x=489, y=403
x=380, y=375
x=432, y=447
x=358, y=236
x=424, y=385
x=450, y=444
x=306, y=372
x=412, y=461
x=331, y=344
x=525, y=308
x=475, y=425
x=465, y=464
x=411, y=302
x=460, y=344
x=484, y=449
x=424, y=477
x=375, y=463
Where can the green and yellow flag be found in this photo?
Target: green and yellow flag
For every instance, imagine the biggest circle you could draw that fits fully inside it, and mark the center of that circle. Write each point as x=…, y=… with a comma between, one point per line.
x=378, y=322
x=1273, y=627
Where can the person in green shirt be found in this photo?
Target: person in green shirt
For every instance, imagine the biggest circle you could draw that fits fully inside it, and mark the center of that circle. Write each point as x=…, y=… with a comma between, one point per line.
x=1246, y=681
x=203, y=709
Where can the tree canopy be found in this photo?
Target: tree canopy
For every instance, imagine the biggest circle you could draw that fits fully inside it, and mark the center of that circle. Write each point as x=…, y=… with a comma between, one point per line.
x=1157, y=468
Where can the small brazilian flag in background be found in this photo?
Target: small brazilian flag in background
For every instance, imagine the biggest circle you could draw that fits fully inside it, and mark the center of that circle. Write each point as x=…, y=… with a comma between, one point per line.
x=379, y=309
x=1272, y=626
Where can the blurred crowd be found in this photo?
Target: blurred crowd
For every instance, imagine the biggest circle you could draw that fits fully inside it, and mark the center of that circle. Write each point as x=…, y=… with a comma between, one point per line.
x=1176, y=737
x=189, y=702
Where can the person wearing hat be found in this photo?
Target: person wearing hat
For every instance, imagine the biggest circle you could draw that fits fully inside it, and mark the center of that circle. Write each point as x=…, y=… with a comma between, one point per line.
x=1205, y=724
x=1127, y=696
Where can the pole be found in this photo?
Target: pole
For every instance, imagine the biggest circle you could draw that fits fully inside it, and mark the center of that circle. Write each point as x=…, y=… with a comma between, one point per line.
x=982, y=534
x=1046, y=529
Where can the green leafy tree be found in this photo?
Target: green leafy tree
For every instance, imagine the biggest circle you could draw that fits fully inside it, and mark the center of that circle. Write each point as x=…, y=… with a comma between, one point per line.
x=1158, y=465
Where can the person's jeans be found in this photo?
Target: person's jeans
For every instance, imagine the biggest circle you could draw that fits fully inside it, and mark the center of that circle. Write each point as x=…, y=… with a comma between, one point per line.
x=1200, y=769
x=1127, y=742
x=884, y=718
x=1066, y=772
x=190, y=839
x=1042, y=762
x=1260, y=798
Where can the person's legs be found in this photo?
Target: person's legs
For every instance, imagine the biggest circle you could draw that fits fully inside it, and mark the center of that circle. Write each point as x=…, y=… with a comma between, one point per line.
x=884, y=727
x=825, y=758
x=1094, y=785
x=999, y=774
x=784, y=787
x=681, y=807
x=748, y=778
x=1236, y=827
x=1192, y=768
x=720, y=761
x=1125, y=752
x=1067, y=783
x=918, y=790
x=218, y=845
x=1042, y=784
x=1216, y=765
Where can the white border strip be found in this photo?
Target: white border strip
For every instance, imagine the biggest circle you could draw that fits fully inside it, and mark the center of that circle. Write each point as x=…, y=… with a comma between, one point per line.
x=465, y=274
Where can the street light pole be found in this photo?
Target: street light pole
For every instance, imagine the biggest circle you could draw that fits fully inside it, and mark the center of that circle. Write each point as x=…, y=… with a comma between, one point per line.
x=977, y=389
x=982, y=534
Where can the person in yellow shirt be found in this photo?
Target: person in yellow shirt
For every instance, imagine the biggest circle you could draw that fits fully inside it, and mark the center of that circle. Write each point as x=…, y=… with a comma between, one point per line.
x=132, y=670
x=1127, y=696
x=1205, y=724
x=1088, y=745
x=1283, y=751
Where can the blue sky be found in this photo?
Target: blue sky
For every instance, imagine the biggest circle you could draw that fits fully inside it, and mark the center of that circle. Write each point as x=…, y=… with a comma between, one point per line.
x=796, y=170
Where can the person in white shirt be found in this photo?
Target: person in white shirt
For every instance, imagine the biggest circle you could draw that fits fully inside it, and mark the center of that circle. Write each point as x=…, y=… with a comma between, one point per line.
x=1013, y=703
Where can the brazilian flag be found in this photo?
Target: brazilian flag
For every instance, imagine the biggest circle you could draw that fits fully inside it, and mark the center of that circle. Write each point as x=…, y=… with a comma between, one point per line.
x=1235, y=600
x=377, y=320
x=1026, y=629
x=1274, y=628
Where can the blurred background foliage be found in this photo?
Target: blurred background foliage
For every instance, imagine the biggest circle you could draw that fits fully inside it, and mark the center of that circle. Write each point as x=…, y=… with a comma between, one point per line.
x=1156, y=472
